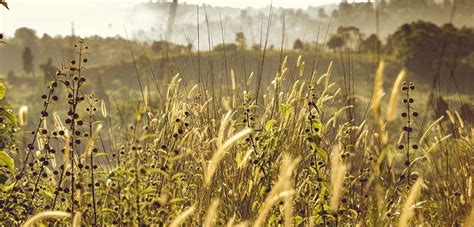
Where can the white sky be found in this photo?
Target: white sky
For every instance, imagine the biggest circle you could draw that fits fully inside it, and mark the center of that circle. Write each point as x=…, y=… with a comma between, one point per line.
x=102, y=17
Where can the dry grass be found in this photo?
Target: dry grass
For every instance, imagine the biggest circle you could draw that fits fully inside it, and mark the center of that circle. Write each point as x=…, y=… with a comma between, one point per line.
x=197, y=157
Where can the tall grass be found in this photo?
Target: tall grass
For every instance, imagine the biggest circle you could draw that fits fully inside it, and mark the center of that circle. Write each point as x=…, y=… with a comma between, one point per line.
x=283, y=154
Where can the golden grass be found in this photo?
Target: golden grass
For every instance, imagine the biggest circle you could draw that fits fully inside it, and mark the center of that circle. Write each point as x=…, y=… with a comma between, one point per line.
x=280, y=189
x=44, y=215
x=179, y=220
x=222, y=147
x=407, y=210
x=338, y=172
x=393, y=101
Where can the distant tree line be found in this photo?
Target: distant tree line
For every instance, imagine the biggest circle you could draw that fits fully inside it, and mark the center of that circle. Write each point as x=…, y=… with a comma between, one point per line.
x=393, y=13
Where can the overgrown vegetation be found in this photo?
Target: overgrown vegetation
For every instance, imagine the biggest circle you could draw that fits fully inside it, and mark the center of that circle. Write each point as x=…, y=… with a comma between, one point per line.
x=306, y=148
x=295, y=157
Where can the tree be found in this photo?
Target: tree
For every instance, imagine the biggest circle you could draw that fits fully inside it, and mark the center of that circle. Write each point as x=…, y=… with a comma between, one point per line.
x=423, y=46
x=298, y=44
x=336, y=42
x=26, y=35
x=228, y=47
x=27, y=57
x=161, y=46
x=370, y=44
x=240, y=40
x=322, y=13
x=351, y=35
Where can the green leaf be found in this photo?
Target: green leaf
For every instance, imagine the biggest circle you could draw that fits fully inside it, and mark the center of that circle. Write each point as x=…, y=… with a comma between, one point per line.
x=269, y=125
x=5, y=111
x=317, y=127
x=298, y=220
x=177, y=200
x=3, y=90
x=5, y=159
x=7, y=188
x=100, y=154
x=177, y=176
x=48, y=194
x=149, y=136
x=322, y=153
x=286, y=109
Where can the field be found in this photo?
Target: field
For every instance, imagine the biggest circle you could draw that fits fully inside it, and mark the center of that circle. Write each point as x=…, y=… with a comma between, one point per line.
x=244, y=137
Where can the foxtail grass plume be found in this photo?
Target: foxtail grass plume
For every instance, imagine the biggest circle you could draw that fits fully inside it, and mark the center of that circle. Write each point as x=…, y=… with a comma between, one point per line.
x=182, y=217
x=77, y=219
x=211, y=215
x=219, y=154
x=280, y=189
x=392, y=104
x=23, y=116
x=377, y=100
x=338, y=172
x=103, y=109
x=407, y=210
x=222, y=146
x=44, y=215
x=232, y=77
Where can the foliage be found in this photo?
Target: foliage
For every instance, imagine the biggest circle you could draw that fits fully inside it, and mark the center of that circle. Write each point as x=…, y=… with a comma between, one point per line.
x=298, y=44
x=240, y=40
x=422, y=46
x=27, y=57
x=8, y=127
x=336, y=42
x=371, y=44
x=293, y=159
x=392, y=13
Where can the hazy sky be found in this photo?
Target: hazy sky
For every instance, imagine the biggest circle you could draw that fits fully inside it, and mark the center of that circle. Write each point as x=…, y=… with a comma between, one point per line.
x=103, y=17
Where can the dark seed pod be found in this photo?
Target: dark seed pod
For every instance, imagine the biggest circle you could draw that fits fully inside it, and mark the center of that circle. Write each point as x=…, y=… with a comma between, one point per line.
x=407, y=163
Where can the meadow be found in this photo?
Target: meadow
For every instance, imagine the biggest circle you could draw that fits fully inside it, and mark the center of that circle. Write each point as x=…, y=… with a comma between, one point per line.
x=296, y=154
x=237, y=138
